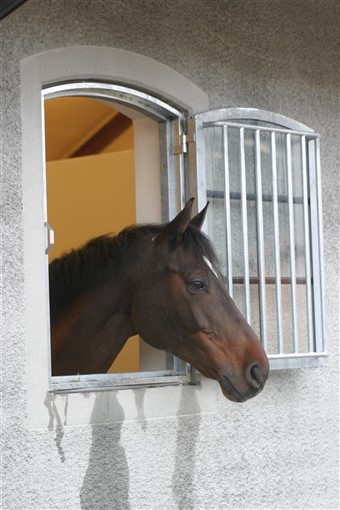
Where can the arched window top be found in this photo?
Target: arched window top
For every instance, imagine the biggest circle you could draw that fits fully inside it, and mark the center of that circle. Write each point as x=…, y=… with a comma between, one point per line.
x=251, y=116
x=112, y=65
x=134, y=99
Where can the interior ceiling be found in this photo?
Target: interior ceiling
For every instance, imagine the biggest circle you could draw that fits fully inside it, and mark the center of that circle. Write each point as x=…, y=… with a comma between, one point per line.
x=80, y=126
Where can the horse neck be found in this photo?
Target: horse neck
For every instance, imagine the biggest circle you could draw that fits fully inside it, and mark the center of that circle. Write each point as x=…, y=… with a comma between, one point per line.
x=89, y=335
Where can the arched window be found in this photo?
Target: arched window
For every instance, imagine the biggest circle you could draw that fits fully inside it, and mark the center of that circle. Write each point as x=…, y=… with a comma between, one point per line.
x=154, y=101
x=81, y=205
x=261, y=172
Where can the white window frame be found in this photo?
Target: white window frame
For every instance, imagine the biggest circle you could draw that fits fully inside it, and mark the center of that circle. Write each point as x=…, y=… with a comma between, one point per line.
x=242, y=118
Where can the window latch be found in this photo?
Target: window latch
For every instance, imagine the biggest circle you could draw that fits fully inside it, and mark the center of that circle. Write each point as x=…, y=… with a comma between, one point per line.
x=50, y=237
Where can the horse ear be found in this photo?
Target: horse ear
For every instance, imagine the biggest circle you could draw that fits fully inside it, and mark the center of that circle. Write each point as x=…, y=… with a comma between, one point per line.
x=174, y=230
x=198, y=220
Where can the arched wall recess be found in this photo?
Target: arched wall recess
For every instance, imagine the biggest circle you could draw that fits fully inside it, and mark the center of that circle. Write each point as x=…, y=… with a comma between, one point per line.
x=222, y=148
x=77, y=65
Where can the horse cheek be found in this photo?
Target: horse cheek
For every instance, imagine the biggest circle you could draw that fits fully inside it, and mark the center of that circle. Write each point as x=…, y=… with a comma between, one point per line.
x=145, y=315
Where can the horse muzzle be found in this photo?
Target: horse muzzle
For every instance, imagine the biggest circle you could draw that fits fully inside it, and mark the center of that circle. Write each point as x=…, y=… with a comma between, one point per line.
x=241, y=387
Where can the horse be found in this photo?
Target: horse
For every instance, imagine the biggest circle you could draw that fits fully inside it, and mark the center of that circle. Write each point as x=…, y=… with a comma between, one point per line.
x=163, y=283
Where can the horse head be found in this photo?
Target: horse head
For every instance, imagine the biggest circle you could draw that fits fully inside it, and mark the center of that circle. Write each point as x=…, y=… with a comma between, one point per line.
x=181, y=305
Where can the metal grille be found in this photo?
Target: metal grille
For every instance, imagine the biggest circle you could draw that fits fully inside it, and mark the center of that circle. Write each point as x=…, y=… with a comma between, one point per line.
x=263, y=182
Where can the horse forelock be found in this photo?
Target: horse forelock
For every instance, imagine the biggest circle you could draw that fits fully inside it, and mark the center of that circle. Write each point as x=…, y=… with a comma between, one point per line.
x=200, y=245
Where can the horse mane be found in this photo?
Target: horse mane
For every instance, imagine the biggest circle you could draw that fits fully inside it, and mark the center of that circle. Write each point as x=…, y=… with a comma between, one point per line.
x=90, y=265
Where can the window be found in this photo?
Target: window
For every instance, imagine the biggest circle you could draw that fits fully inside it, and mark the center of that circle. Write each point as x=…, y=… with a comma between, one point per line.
x=191, y=164
x=261, y=172
x=168, y=92
x=259, y=176
x=81, y=205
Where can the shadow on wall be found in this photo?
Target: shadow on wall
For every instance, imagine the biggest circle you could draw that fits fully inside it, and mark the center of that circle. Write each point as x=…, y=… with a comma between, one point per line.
x=55, y=423
x=184, y=471
x=106, y=482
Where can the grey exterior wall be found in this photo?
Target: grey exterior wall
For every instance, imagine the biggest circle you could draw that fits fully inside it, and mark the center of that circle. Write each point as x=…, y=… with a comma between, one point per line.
x=276, y=451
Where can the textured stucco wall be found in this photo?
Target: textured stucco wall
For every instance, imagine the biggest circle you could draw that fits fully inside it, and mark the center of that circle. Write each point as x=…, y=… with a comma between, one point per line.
x=276, y=451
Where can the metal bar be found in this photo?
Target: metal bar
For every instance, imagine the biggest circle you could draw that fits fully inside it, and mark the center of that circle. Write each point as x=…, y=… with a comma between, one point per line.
x=234, y=195
x=254, y=128
x=227, y=211
x=276, y=243
x=179, y=366
x=269, y=280
x=260, y=240
x=47, y=281
x=193, y=376
x=71, y=387
x=178, y=164
x=321, y=258
x=165, y=171
x=176, y=362
x=89, y=382
x=197, y=165
x=292, y=241
x=245, y=226
x=315, y=246
x=297, y=355
x=307, y=244
x=113, y=378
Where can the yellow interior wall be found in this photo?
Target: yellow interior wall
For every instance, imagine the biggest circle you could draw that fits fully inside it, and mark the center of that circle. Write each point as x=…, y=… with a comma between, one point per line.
x=71, y=121
x=88, y=197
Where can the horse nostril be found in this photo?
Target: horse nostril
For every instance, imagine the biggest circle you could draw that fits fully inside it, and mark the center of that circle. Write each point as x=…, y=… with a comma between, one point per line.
x=255, y=376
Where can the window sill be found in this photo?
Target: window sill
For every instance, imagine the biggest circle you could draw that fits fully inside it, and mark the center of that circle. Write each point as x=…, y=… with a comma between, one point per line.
x=114, y=406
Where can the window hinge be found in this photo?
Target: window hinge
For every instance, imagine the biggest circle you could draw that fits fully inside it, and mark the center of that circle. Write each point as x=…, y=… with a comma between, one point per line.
x=184, y=140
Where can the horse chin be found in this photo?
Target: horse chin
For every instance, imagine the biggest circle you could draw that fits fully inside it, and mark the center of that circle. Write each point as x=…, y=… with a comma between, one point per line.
x=233, y=393
x=230, y=392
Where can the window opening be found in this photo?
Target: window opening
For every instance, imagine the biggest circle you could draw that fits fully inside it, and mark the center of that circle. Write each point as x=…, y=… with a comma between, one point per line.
x=261, y=172
x=90, y=137
x=90, y=181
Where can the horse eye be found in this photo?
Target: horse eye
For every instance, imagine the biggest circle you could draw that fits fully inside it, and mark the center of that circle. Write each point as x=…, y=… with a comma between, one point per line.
x=196, y=285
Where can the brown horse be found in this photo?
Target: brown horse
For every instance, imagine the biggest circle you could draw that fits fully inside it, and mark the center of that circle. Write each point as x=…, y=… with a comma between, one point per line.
x=163, y=283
